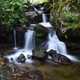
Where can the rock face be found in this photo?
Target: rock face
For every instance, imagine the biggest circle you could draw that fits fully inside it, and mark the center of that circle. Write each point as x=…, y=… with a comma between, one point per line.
x=57, y=58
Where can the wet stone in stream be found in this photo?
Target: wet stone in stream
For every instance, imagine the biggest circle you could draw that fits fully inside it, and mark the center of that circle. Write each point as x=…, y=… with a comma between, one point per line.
x=38, y=72
x=21, y=59
x=57, y=58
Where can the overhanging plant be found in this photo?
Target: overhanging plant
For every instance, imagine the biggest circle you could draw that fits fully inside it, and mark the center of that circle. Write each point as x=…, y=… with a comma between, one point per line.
x=12, y=12
x=66, y=12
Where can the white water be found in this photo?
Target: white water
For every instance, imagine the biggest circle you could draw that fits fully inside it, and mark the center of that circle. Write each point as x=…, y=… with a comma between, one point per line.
x=29, y=40
x=15, y=45
x=55, y=44
x=44, y=18
x=44, y=22
x=27, y=50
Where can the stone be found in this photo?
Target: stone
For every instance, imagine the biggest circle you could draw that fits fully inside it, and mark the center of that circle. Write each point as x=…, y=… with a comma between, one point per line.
x=21, y=59
x=57, y=58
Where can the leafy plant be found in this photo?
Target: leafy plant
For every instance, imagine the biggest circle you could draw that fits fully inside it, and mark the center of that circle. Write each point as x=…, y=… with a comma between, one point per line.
x=12, y=12
x=66, y=13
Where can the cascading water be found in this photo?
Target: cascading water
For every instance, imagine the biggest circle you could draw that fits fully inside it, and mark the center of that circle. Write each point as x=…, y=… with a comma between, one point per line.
x=44, y=22
x=44, y=18
x=29, y=40
x=53, y=41
x=27, y=50
x=14, y=34
x=55, y=44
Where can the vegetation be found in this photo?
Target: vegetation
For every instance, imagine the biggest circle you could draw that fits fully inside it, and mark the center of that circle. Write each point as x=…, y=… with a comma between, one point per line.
x=12, y=12
x=66, y=13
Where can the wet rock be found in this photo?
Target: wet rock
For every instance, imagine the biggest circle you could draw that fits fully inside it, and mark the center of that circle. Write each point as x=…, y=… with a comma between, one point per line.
x=21, y=59
x=50, y=53
x=61, y=59
x=2, y=61
x=57, y=58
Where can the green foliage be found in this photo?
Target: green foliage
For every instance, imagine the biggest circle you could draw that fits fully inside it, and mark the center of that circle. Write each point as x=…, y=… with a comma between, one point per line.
x=71, y=20
x=66, y=12
x=12, y=11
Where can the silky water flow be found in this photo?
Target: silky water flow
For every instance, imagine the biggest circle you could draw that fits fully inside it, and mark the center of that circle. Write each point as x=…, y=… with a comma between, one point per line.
x=53, y=43
x=27, y=50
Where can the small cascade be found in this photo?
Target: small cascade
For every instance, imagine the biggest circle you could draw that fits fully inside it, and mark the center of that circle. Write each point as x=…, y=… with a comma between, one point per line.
x=44, y=18
x=55, y=44
x=26, y=51
x=14, y=35
x=44, y=22
x=29, y=40
x=53, y=41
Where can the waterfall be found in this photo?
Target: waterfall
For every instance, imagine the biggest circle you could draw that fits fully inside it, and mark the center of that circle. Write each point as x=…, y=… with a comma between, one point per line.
x=53, y=40
x=44, y=22
x=14, y=35
x=44, y=18
x=55, y=44
x=29, y=40
x=27, y=50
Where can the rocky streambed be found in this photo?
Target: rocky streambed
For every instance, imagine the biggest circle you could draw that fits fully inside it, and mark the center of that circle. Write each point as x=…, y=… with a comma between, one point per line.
x=39, y=71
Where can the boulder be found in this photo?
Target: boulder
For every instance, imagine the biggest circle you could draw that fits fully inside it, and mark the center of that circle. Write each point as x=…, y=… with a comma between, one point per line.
x=57, y=58
x=21, y=59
